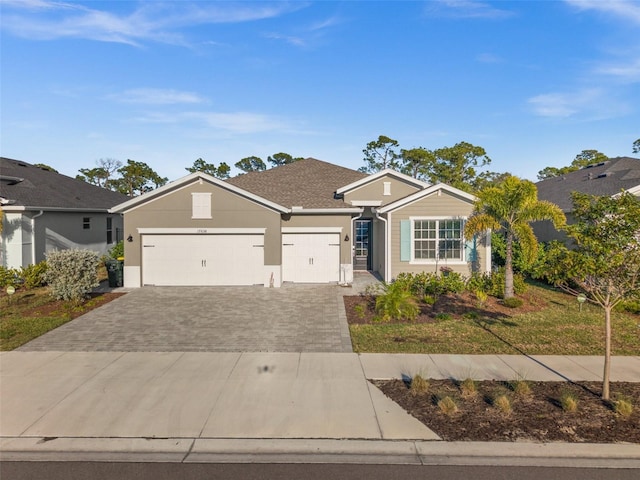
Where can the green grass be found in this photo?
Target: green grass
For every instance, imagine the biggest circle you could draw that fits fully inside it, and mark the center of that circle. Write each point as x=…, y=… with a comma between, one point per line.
x=20, y=321
x=558, y=329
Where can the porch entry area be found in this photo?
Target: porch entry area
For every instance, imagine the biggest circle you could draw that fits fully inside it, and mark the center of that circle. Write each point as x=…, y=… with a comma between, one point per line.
x=362, y=243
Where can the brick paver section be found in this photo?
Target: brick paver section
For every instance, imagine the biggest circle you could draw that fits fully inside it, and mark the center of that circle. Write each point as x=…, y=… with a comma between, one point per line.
x=294, y=318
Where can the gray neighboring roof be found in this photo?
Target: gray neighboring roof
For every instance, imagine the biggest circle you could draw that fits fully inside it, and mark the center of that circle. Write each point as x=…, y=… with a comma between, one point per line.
x=28, y=186
x=307, y=183
x=602, y=179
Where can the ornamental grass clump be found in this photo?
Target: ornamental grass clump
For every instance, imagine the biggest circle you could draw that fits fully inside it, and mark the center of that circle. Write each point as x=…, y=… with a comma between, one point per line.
x=469, y=388
x=72, y=274
x=447, y=405
x=502, y=403
x=569, y=402
x=521, y=388
x=419, y=385
x=623, y=407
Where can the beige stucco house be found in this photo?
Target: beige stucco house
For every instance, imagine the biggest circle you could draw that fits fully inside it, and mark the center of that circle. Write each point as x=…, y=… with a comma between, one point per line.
x=306, y=222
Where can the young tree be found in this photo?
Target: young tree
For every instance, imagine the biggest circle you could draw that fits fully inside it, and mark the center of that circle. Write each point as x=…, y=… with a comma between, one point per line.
x=199, y=165
x=380, y=154
x=511, y=206
x=417, y=163
x=636, y=146
x=605, y=263
x=456, y=166
x=136, y=179
x=584, y=158
x=251, y=164
x=279, y=159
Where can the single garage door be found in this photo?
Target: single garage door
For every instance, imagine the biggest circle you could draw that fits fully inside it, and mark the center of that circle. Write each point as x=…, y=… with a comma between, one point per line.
x=311, y=257
x=202, y=259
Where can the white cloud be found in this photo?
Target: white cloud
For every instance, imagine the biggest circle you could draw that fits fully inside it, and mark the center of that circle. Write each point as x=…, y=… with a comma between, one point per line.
x=150, y=21
x=232, y=122
x=488, y=58
x=624, y=9
x=588, y=103
x=629, y=71
x=157, y=96
x=465, y=9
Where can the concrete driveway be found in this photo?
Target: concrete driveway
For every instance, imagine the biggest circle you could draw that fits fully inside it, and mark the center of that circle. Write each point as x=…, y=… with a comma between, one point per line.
x=294, y=318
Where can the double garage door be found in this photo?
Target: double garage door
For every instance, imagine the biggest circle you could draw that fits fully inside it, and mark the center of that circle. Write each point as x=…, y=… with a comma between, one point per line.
x=202, y=259
x=238, y=259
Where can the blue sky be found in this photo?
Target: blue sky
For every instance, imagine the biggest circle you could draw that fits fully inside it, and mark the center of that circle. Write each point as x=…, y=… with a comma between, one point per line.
x=165, y=83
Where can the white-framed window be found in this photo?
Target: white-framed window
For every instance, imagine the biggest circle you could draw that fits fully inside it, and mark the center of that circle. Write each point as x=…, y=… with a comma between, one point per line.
x=437, y=239
x=201, y=205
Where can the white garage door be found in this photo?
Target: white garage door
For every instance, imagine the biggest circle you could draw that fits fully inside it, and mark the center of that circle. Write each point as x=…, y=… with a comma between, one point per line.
x=311, y=257
x=202, y=259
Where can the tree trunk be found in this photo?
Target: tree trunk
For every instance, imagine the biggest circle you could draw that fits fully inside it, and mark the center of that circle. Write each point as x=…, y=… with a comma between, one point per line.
x=508, y=267
x=607, y=353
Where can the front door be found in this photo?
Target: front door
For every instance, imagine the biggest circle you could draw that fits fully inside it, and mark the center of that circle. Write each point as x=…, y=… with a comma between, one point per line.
x=362, y=245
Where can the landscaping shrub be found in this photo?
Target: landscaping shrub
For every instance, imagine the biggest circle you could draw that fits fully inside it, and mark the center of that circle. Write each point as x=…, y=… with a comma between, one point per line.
x=397, y=302
x=513, y=302
x=8, y=276
x=117, y=251
x=497, y=283
x=447, y=405
x=569, y=402
x=623, y=407
x=72, y=274
x=427, y=283
x=32, y=276
x=479, y=282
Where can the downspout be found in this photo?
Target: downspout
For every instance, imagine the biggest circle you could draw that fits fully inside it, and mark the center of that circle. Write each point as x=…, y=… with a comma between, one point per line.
x=386, y=245
x=33, y=236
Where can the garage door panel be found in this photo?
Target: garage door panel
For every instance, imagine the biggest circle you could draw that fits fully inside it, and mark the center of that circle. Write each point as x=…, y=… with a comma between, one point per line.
x=311, y=257
x=201, y=260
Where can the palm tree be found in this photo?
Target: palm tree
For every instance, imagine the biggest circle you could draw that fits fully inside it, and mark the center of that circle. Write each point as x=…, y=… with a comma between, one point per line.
x=510, y=206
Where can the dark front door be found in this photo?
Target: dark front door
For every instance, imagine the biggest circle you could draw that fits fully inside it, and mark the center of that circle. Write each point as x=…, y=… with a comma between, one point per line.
x=362, y=245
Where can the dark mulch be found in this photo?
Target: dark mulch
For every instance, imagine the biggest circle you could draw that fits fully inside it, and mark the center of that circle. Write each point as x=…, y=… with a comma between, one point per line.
x=535, y=417
x=361, y=309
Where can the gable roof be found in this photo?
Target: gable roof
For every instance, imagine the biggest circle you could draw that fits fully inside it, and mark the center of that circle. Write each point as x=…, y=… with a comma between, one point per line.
x=603, y=179
x=307, y=183
x=24, y=186
x=387, y=171
x=190, y=179
x=425, y=193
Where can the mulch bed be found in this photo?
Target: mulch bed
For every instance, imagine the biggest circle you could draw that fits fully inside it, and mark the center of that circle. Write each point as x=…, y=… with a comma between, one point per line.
x=360, y=309
x=536, y=417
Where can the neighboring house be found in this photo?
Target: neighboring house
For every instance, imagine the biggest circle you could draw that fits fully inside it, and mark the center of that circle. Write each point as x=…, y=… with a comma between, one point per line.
x=602, y=179
x=44, y=211
x=307, y=222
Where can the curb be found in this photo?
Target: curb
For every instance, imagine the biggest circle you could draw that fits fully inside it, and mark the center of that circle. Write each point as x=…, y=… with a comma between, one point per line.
x=401, y=452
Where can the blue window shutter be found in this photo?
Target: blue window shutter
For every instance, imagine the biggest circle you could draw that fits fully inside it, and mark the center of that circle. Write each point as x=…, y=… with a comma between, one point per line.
x=405, y=240
x=471, y=249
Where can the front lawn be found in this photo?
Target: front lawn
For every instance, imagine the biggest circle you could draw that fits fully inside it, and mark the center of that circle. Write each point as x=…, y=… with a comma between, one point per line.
x=30, y=313
x=549, y=323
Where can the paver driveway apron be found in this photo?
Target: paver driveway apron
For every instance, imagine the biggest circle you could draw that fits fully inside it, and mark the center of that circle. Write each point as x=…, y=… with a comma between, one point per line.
x=295, y=318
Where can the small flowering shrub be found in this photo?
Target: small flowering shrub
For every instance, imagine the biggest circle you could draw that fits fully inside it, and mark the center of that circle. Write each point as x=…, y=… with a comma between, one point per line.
x=72, y=274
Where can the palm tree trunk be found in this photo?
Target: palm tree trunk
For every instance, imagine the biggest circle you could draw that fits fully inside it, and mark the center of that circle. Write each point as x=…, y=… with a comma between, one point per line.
x=508, y=267
x=607, y=353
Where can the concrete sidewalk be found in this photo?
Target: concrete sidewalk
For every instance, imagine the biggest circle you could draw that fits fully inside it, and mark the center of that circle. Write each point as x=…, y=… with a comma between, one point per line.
x=205, y=406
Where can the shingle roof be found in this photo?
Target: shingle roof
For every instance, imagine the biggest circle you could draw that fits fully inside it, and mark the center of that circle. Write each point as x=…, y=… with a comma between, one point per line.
x=602, y=179
x=26, y=185
x=307, y=183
